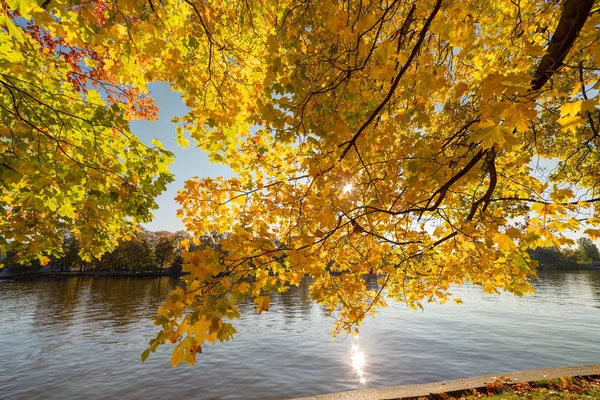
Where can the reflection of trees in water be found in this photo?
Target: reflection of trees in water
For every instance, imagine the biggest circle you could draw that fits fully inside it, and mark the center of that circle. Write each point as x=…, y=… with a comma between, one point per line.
x=56, y=301
x=551, y=279
x=126, y=300
x=296, y=301
x=593, y=278
x=158, y=290
x=568, y=284
x=306, y=303
x=371, y=282
x=118, y=301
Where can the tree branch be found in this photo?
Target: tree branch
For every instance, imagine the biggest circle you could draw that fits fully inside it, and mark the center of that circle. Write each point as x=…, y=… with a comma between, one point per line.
x=349, y=144
x=572, y=19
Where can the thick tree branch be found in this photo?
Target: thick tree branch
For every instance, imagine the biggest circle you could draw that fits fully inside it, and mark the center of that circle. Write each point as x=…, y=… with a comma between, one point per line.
x=572, y=19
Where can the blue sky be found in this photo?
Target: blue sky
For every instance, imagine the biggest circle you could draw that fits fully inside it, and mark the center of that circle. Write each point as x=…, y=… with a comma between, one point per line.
x=189, y=162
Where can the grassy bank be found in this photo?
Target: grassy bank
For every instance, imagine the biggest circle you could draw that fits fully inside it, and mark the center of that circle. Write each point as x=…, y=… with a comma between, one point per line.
x=553, y=389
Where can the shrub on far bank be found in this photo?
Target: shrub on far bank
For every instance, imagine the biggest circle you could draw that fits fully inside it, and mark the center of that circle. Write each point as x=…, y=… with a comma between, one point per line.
x=584, y=255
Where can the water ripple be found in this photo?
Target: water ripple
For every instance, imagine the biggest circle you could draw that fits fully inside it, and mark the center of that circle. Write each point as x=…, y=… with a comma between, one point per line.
x=82, y=338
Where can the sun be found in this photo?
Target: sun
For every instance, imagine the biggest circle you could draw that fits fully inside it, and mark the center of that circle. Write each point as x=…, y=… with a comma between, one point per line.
x=347, y=188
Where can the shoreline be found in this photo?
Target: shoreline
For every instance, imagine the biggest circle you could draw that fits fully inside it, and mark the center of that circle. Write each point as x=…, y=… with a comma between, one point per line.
x=459, y=386
x=580, y=268
x=86, y=274
x=30, y=275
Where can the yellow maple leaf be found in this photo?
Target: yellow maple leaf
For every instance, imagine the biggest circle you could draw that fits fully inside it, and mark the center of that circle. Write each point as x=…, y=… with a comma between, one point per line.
x=504, y=241
x=262, y=304
x=594, y=234
x=519, y=115
x=490, y=133
x=570, y=108
x=570, y=124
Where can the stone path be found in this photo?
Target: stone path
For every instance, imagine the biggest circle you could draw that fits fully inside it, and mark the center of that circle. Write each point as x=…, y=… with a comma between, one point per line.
x=478, y=383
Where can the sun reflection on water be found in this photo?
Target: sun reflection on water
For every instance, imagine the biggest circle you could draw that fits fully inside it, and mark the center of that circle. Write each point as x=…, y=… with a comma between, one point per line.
x=358, y=362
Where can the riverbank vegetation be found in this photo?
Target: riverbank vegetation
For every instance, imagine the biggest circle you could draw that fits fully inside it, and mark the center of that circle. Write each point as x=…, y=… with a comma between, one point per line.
x=429, y=142
x=585, y=255
x=578, y=388
x=143, y=252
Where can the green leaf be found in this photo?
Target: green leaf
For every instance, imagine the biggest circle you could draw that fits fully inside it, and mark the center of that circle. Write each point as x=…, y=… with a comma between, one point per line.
x=66, y=210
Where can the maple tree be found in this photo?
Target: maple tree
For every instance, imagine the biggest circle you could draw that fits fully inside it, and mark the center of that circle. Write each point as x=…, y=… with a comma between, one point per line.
x=69, y=162
x=390, y=138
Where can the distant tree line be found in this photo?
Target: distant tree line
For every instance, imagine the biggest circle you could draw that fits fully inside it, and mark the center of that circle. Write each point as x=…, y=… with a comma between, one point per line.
x=160, y=252
x=585, y=254
x=146, y=251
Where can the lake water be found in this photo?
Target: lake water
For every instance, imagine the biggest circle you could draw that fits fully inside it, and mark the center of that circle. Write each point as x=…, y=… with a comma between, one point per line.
x=82, y=337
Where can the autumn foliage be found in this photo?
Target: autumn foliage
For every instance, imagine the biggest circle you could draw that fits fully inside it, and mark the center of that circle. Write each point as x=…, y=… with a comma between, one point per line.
x=402, y=139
